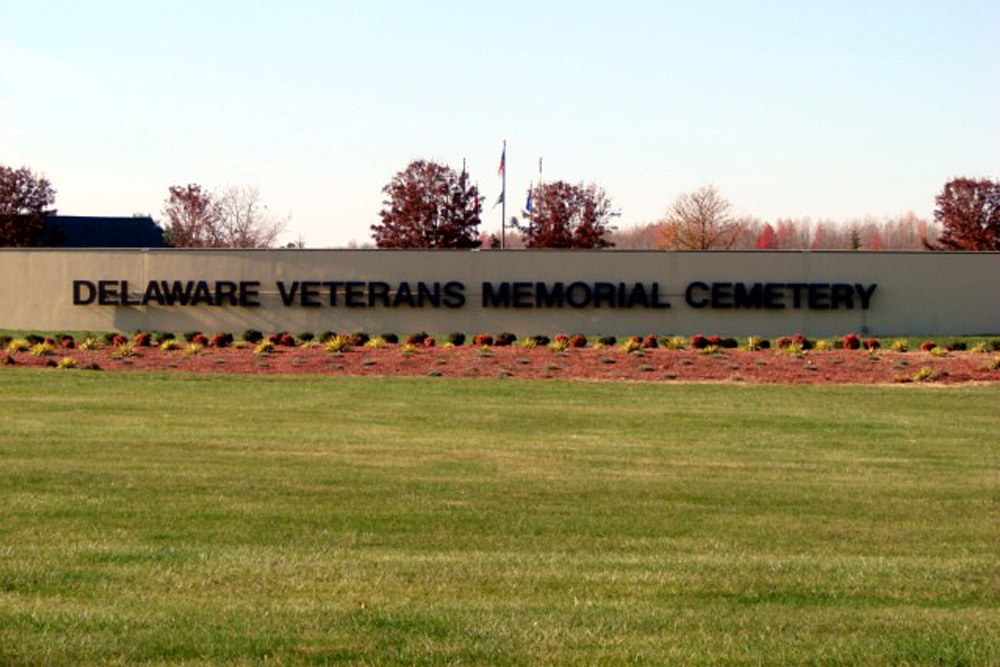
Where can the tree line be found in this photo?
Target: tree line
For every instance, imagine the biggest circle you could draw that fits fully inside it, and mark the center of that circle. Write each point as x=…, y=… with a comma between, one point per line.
x=431, y=205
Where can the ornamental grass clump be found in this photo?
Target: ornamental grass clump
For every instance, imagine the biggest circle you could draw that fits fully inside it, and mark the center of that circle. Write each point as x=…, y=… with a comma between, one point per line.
x=993, y=364
x=91, y=343
x=169, y=344
x=925, y=374
x=18, y=345
x=939, y=351
x=42, y=350
x=66, y=362
x=674, y=342
x=632, y=345
x=338, y=343
x=376, y=343
x=264, y=347
x=899, y=345
x=408, y=349
x=193, y=349
x=124, y=351
x=560, y=344
x=823, y=345
x=756, y=344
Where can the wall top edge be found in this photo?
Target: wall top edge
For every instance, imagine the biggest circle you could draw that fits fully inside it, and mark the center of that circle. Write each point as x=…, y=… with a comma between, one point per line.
x=606, y=251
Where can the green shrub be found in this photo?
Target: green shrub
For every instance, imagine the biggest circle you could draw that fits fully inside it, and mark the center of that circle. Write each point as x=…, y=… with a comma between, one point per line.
x=390, y=338
x=253, y=336
x=5, y=341
x=456, y=338
x=304, y=336
x=505, y=338
x=607, y=341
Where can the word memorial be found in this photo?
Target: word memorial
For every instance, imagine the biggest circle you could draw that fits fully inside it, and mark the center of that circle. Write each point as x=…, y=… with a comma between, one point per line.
x=491, y=295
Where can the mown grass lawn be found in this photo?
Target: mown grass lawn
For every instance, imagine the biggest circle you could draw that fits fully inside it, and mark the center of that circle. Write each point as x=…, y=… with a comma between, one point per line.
x=164, y=518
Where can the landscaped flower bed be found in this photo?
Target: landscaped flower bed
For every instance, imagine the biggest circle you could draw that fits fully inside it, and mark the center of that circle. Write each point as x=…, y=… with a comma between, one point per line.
x=792, y=359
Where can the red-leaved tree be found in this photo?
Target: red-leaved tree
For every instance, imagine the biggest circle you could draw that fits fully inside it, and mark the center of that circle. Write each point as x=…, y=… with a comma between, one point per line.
x=24, y=202
x=563, y=215
x=969, y=213
x=429, y=205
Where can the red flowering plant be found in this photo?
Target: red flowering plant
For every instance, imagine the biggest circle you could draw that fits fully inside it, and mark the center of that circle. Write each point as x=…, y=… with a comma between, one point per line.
x=429, y=342
x=482, y=339
x=699, y=342
x=578, y=340
x=141, y=339
x=67, y=342
x=850, y=342
x=119, y=340
x=871, y=344
x=505, y=338
x=802, y=341
x=782, y=342
x=650, y=342
x=221, y=340
x=927, y=346
x=715, y=340
x=562, y=338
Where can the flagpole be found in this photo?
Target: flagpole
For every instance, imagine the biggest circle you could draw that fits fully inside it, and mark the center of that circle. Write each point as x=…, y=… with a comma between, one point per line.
x=503, y=201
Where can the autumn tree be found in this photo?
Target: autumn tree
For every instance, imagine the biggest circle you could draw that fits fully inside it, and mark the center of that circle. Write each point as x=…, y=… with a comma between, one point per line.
x=969, y=213
x=767, y=239
x=192, y=218
x=234, y=218
x=700, y=220
x=563, y=215
x=25, y=199
x=429, y=205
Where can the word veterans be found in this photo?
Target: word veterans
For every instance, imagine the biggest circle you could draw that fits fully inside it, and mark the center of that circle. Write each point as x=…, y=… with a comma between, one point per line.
x=452, y=294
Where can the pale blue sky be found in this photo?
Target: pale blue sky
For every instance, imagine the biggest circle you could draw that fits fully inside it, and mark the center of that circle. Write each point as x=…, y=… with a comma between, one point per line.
x=823, y=109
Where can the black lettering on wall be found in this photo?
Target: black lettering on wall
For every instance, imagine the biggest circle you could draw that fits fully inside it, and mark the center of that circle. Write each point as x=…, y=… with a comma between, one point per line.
x=454, y=294
x=288, y=294
x=865, y=294
x=696, y=301
x=496, y=296
x=84, y=292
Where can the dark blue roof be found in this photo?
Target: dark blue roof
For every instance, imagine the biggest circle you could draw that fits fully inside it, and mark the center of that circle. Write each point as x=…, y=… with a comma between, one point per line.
x=74, y=231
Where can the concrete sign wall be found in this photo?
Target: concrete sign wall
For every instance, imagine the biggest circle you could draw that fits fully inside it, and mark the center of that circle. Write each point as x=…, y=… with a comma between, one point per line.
x=526, y=292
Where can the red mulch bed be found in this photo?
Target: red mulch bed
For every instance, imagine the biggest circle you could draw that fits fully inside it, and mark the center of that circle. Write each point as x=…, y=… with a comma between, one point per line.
x=607, y=364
